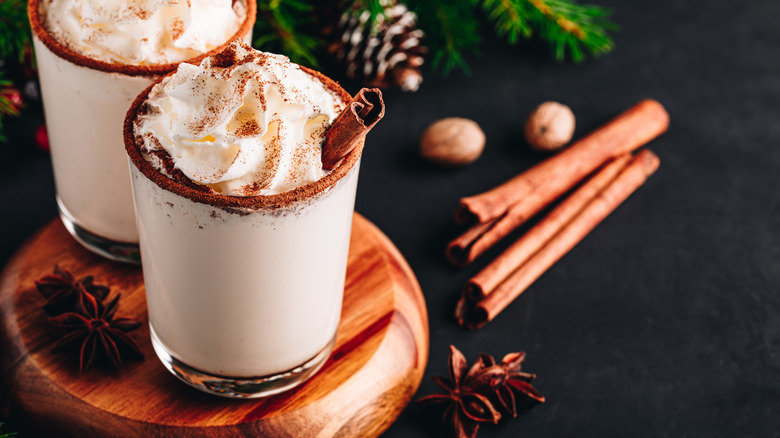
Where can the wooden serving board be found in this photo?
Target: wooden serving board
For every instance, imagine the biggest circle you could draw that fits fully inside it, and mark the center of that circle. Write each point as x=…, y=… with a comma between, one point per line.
x=380, y=355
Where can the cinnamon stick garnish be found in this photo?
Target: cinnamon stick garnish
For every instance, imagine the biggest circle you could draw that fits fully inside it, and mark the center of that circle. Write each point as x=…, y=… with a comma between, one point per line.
x=475, y=315
x=548, y=180
x=352, y=125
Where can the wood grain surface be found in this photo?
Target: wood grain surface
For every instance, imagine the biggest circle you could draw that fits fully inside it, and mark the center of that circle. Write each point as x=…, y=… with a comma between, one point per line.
x=378, y=362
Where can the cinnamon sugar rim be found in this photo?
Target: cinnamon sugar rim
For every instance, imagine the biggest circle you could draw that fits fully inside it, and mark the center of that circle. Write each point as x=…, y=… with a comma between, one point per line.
x=284, y=199
x=61, y=50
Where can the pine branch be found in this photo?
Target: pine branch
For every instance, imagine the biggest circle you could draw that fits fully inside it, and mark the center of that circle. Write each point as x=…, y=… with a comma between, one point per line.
x=3, y=139
x=6, y=434
x=568, y=26
x=509, y=17
x=563, y=24
x=451, y=31
x=14, y=29
x=7, y=108
x=283, y=26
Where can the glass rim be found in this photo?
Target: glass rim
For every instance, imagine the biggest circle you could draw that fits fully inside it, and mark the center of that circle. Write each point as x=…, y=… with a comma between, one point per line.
x=151, y=70
x=278, y=200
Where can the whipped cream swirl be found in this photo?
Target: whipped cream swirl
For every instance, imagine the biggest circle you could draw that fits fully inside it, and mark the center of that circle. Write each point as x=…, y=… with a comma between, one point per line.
x=243, y=122
x=142, y=32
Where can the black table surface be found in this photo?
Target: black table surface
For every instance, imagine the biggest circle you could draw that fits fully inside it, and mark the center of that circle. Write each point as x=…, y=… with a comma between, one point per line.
x=665, y=320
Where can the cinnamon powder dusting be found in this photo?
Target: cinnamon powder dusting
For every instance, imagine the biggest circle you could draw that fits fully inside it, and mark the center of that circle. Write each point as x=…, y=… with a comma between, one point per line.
x=226, y=58
x=177, y=29
x=249, y=128
x=134, y=12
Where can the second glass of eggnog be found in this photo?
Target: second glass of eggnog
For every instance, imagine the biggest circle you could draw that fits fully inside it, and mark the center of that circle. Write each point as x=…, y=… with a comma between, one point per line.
x=94, y=57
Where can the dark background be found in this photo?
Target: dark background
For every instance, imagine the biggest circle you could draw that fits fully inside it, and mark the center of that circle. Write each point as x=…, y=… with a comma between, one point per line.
x=665, y=320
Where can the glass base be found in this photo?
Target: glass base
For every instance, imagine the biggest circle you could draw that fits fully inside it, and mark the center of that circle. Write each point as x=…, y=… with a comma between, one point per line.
x=240, y=387
x=118, y=251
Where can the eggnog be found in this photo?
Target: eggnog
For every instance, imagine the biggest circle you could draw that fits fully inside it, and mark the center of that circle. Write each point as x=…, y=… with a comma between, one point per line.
x=243, y=234
x=94, y=57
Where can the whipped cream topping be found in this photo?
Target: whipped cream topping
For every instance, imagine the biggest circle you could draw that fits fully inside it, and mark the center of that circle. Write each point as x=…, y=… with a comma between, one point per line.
x=142, y=31
x=243, y=122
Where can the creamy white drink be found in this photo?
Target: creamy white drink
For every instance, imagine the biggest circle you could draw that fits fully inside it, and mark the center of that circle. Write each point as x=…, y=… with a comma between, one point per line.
x=243, y=235
x=94, y=57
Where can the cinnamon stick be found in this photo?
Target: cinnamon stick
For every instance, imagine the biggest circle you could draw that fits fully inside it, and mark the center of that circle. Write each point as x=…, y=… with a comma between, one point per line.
x=476, y=315
x=473, y=242
x=481, y=236
x=546, y=181
x=519, y=252
x=351, y=126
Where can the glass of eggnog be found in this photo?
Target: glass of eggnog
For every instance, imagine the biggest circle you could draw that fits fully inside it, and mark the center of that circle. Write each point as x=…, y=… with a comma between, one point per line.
x=94, y=57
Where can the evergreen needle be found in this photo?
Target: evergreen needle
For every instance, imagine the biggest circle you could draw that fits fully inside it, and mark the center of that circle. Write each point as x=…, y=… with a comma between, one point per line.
x=284, y=26
x=14, y=29
x=6, y=434
x=451, y=31
x=568, y=26
x=565, y=25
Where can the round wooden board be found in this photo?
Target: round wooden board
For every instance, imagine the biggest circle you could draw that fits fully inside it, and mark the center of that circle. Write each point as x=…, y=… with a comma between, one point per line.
x=378, y=362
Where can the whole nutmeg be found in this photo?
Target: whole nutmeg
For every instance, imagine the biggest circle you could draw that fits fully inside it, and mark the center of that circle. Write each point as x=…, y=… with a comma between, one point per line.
x=453, y=141
x=550, y=126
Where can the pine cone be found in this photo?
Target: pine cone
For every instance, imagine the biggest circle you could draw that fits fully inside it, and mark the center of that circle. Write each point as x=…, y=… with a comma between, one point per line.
x=388, y=55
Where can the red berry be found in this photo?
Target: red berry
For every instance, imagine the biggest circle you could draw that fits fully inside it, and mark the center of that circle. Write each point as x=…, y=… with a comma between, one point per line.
x=42, y=138
x=14, y=97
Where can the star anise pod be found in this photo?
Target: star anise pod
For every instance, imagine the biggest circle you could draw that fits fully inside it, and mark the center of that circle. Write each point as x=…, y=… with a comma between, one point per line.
x=63, y=292
x=93, y=330
x=467, y=405
x=510, y=382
